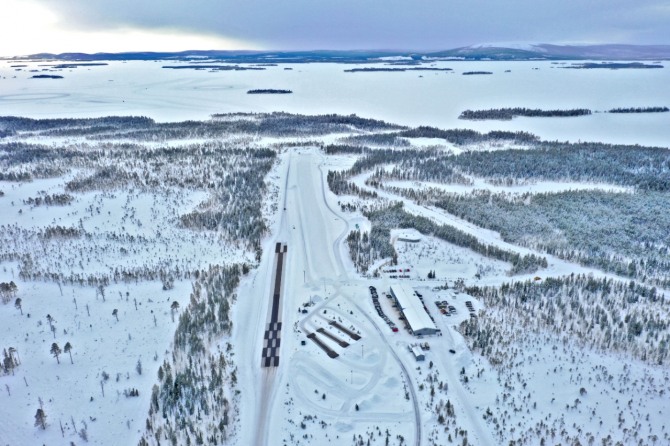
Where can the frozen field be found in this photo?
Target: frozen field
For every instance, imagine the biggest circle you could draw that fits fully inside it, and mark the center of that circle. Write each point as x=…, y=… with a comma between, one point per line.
x=409, y=98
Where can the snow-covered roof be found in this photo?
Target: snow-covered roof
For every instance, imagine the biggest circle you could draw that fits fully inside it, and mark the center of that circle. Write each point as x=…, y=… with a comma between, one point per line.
x=416, y=316
x=409, y=235
x=417, y=352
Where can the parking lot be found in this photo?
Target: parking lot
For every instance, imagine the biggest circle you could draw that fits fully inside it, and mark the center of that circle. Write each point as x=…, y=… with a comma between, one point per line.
x=445, y=308
x=380, y=312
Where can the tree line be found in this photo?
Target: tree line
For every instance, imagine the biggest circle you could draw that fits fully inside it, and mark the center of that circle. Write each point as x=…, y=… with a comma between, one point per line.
x=196, y=398
x=620, y=232
x=468, y=136
x=395, y=217
x=645, y=168
x=602, y=314
x=50, y=200
x=640, y=110
x=507, y=114
x=135, y=128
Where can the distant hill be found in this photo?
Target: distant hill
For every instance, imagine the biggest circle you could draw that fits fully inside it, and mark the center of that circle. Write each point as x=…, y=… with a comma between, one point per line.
x=556, y=52
x=222, y=56
x=475, y=52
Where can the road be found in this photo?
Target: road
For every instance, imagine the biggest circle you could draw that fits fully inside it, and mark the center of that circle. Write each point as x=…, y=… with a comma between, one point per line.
x=267, y=285
x=312, y=199
x=314, y=231
x=273, y=327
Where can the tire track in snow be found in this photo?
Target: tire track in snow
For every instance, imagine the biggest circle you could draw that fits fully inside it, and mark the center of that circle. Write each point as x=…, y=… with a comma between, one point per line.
x=338, y=256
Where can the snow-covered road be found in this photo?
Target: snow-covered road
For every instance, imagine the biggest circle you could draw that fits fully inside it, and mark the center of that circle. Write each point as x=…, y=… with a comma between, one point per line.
x=321, y=283
x=313, y=230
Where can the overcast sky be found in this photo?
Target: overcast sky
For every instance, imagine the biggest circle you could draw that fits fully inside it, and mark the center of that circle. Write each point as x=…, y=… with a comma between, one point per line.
x=28, y=26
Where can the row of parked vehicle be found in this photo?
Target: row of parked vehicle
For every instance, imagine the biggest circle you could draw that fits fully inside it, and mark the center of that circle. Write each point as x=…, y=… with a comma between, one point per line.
x=378, y=307
x=471, y=309
x=445, y=308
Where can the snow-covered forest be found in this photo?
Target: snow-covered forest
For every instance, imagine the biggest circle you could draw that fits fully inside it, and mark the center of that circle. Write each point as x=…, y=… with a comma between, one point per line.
x=618, y=227
x=136, y=263
x=590, y=204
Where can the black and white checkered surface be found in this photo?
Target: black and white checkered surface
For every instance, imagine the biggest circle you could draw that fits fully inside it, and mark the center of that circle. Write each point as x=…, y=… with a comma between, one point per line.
x=271, y=342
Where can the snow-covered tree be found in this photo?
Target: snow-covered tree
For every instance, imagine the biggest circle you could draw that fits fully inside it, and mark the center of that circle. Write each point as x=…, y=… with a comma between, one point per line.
x=7, y=291
x=40, y=419
x=174, y=308
x=8, y=363
x=68, y=349
x=51, y=321
x=56, y=351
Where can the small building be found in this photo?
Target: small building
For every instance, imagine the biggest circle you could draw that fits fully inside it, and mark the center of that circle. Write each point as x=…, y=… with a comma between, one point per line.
x=420, y=322
x=418, y=354
x=409, y=236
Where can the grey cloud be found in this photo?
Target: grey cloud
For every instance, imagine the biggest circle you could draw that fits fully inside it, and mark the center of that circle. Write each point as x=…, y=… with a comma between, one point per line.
x=411, y=24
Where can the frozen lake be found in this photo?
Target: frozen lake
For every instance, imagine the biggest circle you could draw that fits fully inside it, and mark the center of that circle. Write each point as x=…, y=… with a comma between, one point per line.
x=411, y=97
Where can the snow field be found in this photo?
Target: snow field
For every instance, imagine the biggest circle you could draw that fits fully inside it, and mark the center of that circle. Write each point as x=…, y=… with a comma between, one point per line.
x=144, y=88
x=541, y=397
x=100, y=345
x=364, y=375
x=556, y=266
x=377, y=373
x=514, y=396
x=449, y=262
x=131, y=230
x=127, y=237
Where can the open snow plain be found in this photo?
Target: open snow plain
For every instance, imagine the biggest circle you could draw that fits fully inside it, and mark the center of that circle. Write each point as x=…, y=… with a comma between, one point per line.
x=151, y=249
x=409, y=98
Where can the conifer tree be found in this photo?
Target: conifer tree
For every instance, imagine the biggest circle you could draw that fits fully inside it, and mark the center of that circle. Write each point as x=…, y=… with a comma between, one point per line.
x=174, y=307
x=68, y=349
x=56, y=351
x=41, y=418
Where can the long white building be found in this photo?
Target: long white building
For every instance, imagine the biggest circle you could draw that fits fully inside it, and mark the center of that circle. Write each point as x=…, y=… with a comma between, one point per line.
x=412, y=308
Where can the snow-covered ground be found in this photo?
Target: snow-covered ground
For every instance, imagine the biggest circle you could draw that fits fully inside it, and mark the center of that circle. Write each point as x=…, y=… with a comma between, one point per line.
x=120, y=330
x=410, y=98
x=374, y=391
x=110, y=354
x=315, y=397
